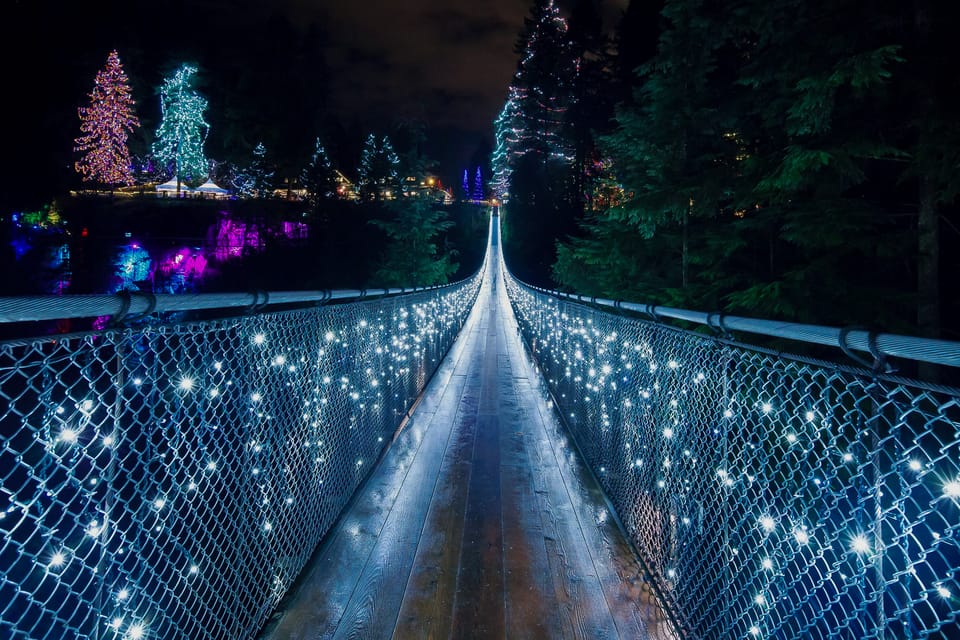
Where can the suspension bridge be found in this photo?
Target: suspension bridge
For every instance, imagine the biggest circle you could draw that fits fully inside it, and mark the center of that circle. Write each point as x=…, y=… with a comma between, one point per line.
x=483, y=459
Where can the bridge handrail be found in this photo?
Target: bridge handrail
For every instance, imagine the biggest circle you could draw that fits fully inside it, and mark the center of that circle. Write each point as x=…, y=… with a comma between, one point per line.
x=53, y=307
x=768, y=495
x=879, y=345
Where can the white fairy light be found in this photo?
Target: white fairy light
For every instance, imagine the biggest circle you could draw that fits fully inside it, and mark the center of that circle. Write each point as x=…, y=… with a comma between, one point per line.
x=768, y=524
x=951, y=489
x=860, y=544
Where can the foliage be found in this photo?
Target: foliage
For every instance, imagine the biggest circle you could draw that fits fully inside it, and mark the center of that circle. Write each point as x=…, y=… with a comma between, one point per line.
x=415, y=255
x=767, y=156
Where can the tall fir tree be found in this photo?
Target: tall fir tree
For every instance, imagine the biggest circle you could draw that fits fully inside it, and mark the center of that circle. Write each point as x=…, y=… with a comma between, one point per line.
x=477, y=185
x=415, y=254
x=748, y=155
x=505, y=149
x=533, y=158
x=105, y=126
x=379, y=164
x=318, y=178
x=542, y=82
x=256, y=181
x=183, y=130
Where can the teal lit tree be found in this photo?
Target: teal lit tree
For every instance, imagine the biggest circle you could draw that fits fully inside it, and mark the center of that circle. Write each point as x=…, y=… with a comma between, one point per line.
x=379, y=177
x=506, y=145
x=183, y=130
x=105, y=126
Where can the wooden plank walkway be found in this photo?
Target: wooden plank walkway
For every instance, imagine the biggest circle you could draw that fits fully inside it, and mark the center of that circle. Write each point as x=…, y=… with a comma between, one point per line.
x=480, y=522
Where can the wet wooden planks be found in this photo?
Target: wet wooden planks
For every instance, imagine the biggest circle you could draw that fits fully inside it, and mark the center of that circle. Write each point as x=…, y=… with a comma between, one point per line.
x=480, y=522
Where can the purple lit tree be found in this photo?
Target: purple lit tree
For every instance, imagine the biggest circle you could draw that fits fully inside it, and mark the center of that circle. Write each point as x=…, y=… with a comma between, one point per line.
x=478, y=185
x=105, y=126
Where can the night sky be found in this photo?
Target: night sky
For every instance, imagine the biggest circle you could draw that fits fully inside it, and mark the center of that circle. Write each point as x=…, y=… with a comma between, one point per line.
x=449, y=61
x=446, y=63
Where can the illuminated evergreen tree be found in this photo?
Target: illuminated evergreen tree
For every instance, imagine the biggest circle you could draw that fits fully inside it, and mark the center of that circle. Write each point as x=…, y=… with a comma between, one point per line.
x=256, y=181
x=466, y=185
x=478, y=185
x=182, y=131
x=506, y=140
x=378, y=169
x=542, y=83
x=318, y=178
x=105, y=126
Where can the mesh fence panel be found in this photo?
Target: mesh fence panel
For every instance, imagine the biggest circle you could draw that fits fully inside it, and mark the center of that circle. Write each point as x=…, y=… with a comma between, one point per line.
x=768, y=497
x=172, y=481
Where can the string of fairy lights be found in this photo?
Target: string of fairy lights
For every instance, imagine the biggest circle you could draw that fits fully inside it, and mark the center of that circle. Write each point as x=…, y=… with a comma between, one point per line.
x=532, y=117
x=769, y=498
x=105, y=126
x=170, y=482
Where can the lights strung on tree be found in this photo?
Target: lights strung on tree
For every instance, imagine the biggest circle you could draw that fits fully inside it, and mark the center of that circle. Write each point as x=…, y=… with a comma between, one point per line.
x=105, y=126
x=183, y=130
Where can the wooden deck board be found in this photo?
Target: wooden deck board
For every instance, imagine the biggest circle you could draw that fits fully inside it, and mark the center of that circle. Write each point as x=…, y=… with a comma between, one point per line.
x=480, y=521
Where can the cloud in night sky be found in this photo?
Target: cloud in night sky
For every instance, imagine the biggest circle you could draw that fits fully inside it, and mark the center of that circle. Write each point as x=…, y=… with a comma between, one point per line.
x=447, y=62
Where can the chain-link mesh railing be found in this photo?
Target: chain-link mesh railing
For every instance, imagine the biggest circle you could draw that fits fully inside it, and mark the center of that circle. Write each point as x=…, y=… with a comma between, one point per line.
x=171, y=481
x=770, y=497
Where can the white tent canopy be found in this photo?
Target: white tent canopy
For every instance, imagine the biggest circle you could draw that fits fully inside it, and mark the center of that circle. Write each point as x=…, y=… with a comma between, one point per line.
x=210, y=187
x=171, y=185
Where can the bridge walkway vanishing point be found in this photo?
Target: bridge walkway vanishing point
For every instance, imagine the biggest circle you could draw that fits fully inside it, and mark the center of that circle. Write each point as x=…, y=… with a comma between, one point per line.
x=481, y=520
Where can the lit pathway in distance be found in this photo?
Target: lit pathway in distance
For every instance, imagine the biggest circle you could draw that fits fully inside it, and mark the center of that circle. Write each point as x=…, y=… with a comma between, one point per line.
x=480, y=521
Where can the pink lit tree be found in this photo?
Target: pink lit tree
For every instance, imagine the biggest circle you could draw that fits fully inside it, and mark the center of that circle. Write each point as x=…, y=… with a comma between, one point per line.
x=105, y=126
